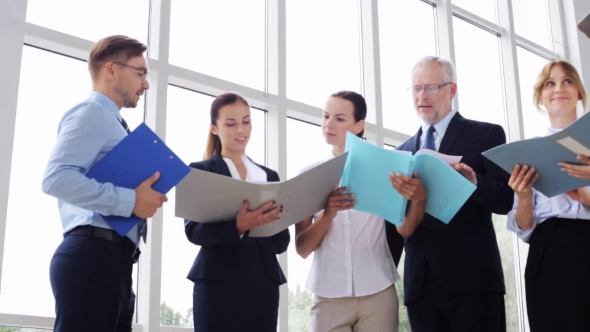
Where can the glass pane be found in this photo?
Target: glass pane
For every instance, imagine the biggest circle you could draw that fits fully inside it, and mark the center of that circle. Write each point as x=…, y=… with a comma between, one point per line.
x=479, y=74
x=529, y=67
x=506, y=246
x=21, y=329
x=404, y=320
x=481, y=98
x=403, y=26
x=221, y=38
x=323, y=49
x=531, y=21
x=302, y=151
x=22, y=282
x=92, y=20
x=187, y=126
x=484, y=8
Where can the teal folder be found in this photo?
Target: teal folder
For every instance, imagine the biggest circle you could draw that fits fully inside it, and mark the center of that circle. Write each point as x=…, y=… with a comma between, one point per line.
x=367, y=172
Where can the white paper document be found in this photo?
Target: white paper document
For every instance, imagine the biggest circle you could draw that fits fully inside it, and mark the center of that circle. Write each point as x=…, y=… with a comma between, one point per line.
x=208, y=197
x=444, y=157
x=574, y=146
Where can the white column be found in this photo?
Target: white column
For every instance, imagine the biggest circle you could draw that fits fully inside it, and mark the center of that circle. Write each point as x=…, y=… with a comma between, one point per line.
x=12, y=36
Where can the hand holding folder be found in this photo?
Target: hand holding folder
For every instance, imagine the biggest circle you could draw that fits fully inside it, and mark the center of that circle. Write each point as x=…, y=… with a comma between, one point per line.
x=367, y=174
x=207, y=197
x=136, y=158
x=544, y=154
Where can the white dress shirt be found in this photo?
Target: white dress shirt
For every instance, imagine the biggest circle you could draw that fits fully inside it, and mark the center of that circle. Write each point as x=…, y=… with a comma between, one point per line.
x=560, y=206
x=440, y=130
x=354, y=258
x=254, y=174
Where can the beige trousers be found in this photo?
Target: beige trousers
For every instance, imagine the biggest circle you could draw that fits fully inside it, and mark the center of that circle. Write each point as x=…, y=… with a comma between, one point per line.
x=372, y=313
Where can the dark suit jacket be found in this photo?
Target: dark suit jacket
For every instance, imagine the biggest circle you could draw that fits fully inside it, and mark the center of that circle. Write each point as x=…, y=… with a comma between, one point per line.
x=462, y=255
x=222, y=250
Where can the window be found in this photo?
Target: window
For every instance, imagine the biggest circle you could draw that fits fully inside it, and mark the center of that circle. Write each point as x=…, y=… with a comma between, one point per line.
x=40, y=108
x=92, y=20
x=506, y=246
x=187, y=127
x=19, y=329
x=410, y=23
x=479, y=73
x=481, y=98
x=300, y=137
x=323, y=49
x=531, y=21
x=222, y=38
x=529, y=66
x=483, y=8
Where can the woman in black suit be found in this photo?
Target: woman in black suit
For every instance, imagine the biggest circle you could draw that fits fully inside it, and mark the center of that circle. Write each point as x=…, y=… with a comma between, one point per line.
x=236, y=277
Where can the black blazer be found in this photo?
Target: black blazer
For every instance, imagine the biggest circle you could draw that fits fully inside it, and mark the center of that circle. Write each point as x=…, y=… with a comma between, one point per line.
x=222, y=249
x=464, y=254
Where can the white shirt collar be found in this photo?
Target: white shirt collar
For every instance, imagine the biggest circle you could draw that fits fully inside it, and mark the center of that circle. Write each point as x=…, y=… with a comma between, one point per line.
x=442, y=125
x=254, y=174
x=551, y=131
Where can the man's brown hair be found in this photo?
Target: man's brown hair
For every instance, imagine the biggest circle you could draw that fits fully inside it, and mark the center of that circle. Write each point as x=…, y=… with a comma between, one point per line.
x=113, y=48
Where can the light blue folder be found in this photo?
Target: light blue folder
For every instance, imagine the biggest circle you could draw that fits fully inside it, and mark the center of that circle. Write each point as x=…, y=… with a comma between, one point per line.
x=137, y=157
x=367, y=172
x=544, y=153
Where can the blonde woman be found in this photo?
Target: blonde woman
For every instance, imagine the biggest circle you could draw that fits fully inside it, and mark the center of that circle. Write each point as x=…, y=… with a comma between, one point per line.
x=557, y=274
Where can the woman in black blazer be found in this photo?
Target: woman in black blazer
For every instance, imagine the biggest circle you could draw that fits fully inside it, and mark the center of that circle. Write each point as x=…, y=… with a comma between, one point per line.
x=236, y=277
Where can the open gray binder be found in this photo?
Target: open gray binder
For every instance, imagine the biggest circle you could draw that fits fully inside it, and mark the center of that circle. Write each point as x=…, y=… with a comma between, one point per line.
x=544, y=153
x=208, y=197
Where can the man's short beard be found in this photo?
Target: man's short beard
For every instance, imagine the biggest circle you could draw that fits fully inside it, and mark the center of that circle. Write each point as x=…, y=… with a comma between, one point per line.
x=430, y=120
x=126, y=102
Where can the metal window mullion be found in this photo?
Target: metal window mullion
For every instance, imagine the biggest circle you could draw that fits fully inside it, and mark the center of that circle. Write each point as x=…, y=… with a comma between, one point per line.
x=477, y=20
x=371, y=65
x=444, y=29
x=536, y=48
x=514, y=119
x=276, y=130
x=150, y=276
x=556, y=28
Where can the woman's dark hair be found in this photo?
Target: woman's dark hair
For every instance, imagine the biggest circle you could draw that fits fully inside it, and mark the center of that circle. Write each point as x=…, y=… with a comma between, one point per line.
x=213, y=141
x=358, y=101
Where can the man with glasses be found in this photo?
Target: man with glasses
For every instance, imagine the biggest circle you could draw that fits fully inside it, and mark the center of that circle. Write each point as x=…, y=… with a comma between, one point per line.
x=91, y=269
x=453, y=277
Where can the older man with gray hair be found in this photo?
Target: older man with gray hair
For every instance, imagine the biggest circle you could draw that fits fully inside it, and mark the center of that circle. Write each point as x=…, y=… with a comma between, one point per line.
x=453, y=276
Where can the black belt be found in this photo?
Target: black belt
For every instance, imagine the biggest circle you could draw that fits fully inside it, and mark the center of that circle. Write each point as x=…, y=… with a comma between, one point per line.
x=111, y=236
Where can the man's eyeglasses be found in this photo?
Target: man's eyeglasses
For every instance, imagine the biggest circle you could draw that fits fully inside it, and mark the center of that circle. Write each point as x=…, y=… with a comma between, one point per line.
x=144, y=75
x=430, y=89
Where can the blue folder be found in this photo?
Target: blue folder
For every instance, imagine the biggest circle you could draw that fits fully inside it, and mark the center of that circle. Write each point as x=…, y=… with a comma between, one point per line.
x=137, y=157
x=544, y=153
x=367, y=172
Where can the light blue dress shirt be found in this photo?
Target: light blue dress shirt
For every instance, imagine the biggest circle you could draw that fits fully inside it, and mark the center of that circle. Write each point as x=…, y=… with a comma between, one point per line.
x=441, y=128
x=560, y=206
x=86, y=133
